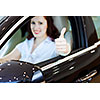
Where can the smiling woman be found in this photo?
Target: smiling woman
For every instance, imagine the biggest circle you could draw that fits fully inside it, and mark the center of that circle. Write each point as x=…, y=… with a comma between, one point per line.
x=79, y=65
x=45, y=42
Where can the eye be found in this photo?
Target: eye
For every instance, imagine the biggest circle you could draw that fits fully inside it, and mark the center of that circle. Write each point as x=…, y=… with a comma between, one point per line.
x=40, y=23
x=33, y=22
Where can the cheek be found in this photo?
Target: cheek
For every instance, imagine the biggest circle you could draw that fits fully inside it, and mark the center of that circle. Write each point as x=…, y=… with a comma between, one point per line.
x=45, y=28
x=31, y=27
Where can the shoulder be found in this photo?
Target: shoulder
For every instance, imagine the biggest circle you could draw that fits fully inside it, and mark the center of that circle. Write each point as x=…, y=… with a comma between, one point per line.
x=26, y=42
x=23, y=44
x=51, y=45
x=49, y=42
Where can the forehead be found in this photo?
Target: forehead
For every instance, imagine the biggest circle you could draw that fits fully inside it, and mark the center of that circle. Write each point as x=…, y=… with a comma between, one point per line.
x=38, y=18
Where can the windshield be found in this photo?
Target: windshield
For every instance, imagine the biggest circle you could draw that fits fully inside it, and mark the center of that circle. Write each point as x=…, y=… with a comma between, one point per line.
x=2, y=18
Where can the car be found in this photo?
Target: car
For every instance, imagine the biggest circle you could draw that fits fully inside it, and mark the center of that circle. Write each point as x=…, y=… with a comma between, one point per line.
x=81, y=65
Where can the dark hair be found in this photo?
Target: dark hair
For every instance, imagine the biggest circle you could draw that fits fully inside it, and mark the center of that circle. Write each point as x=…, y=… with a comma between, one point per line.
x=52, y=31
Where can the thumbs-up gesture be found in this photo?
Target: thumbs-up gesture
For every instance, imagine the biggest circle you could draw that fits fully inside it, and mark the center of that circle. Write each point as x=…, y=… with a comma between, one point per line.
x=61, y=43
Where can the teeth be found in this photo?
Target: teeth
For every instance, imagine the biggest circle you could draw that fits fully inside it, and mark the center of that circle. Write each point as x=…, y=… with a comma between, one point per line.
x=37, y=31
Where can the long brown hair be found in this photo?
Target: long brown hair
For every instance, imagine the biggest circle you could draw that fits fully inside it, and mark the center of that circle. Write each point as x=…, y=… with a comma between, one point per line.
x=52, y=31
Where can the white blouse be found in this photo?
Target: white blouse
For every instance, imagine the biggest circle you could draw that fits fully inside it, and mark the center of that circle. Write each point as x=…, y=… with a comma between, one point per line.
x=46, y=50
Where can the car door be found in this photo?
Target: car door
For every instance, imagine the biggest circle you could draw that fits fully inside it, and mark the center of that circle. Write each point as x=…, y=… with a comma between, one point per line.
x=71, y=67
x=8, y=27
x=85, y=56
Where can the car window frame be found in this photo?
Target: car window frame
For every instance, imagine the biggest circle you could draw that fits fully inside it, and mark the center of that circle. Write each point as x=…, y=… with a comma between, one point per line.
x=2, y=19
x=48, y=64
x=11, y=30
x=53, y=59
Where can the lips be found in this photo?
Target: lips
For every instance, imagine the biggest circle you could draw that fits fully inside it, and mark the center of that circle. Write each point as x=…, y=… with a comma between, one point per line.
x=37, y=32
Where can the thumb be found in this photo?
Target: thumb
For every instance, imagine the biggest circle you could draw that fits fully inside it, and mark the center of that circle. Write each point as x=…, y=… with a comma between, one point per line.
x=62, y=32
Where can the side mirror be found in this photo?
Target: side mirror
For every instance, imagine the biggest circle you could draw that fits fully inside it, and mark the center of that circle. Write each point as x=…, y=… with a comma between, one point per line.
x=20, y=72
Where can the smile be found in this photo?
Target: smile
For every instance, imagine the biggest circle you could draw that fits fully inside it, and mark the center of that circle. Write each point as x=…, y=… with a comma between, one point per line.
x=36, y=32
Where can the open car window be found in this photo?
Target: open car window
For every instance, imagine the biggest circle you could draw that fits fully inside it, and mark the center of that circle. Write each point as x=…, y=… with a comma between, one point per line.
x=21, y=35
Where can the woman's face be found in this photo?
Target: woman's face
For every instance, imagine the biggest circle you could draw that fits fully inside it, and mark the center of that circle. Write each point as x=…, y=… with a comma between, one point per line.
x=39, y=26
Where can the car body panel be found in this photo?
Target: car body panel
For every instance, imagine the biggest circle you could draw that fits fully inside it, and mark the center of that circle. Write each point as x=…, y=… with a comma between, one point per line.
x=84, y=58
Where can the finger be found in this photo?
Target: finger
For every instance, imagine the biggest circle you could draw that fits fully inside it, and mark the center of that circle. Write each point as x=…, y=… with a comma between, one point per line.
x=63, y=32
x=62, y=51
x=61, y=45
x=62, y=48
x=60, y=41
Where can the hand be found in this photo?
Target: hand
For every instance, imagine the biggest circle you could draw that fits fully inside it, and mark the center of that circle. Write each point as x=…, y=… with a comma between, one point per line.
x=2, y=61
x=61, y=43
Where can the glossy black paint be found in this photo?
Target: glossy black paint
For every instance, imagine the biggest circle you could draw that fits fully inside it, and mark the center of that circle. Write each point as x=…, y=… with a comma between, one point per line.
x=84, y=35
x=90, y=30
x=7, y=24
x=84, y=63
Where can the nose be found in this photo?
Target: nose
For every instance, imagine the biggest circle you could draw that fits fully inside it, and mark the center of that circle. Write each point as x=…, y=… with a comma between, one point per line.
x=36, y=27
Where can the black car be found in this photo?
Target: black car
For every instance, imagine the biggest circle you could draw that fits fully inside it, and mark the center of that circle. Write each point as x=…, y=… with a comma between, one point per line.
x=81, y=65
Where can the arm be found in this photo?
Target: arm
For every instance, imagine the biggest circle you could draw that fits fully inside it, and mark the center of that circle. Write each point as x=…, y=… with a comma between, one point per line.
x=14, y=55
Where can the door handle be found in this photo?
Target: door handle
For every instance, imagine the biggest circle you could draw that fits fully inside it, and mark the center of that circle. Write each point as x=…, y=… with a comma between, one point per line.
x=87, y=77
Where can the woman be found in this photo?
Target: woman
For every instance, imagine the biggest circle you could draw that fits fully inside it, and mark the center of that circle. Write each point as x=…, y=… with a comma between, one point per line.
x=43, y=43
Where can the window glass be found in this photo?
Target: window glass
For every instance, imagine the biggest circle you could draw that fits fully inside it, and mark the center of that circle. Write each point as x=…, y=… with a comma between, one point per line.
x=12, y=42
x=18, y=38
x=2, y=18
x=96, y=20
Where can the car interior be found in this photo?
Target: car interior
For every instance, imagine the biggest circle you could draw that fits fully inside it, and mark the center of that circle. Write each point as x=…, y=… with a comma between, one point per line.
x=18, y=37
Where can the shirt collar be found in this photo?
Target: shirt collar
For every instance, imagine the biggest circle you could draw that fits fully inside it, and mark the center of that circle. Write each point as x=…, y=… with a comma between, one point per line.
x=48, y=39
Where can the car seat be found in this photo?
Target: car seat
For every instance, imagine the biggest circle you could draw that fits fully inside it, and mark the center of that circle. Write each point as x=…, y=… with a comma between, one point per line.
x=62, y=21
x=59, y=22
x=11, y=43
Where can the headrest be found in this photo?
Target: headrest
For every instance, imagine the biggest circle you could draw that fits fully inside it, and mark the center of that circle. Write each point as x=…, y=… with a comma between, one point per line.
x=60, y=22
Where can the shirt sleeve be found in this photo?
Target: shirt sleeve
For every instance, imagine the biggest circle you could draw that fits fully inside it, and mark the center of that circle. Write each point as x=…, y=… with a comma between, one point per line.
x=20, y=46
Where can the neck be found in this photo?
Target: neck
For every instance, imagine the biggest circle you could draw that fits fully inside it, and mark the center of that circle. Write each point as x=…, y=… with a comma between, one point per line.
x=38, y=40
